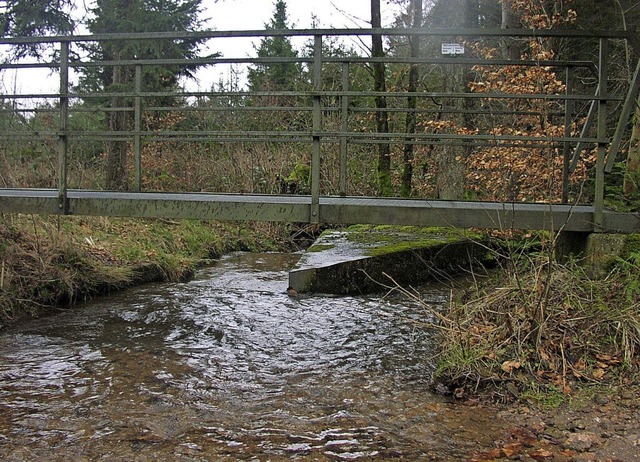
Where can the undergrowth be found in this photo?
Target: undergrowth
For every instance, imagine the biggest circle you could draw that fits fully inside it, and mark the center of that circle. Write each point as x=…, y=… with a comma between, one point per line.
x=538, y=326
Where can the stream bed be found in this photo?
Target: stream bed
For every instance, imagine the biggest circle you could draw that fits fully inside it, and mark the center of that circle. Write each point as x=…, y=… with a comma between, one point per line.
x=227, y=366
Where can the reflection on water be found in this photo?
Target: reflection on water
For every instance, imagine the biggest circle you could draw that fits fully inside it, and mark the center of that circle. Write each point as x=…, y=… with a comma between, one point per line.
x=228, y=367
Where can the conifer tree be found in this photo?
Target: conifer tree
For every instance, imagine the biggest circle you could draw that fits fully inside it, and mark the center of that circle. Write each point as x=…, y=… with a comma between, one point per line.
x=34, y=18
x=279, y=76
x=112, y=16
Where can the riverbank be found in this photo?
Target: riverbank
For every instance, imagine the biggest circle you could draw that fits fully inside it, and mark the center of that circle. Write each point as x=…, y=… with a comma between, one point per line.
x=51, y=262
x=556, y=347
x=596, y=422
x=538, y=327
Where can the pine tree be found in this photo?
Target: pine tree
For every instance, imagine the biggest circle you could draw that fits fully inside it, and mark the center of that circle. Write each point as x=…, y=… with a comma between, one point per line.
x=34, y=18
x=278, y=76
x=112, y=16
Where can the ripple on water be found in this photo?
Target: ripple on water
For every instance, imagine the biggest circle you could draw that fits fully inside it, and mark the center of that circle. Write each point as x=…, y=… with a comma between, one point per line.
x=224, y=367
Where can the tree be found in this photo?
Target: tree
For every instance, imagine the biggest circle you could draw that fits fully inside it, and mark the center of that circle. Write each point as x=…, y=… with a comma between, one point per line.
x=521, y=172
x=281, y=75
x=629, y=19
x=622, y=56
x=442, y=172
x=412, y=101
x=509, y=21
x=382, y=116
x=112, y=16
x=34, y=18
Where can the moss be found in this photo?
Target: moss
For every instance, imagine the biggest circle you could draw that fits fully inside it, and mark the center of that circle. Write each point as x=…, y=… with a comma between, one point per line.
x=320, y=247
x=355, y=228
x=405, y=238
x=404, y=246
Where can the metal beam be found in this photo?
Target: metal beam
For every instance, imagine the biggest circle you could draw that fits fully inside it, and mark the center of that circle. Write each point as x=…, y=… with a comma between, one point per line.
x=210, y=34
x=297, y=208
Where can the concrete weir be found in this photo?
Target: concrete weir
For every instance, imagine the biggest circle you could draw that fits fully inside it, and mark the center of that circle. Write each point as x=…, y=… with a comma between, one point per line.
x=365, y=259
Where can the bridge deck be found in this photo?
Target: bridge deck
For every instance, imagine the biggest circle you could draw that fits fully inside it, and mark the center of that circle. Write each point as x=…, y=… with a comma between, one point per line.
x=298, y=208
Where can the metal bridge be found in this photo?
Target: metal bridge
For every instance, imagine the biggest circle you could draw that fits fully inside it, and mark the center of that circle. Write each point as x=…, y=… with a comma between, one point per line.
x=326, y=138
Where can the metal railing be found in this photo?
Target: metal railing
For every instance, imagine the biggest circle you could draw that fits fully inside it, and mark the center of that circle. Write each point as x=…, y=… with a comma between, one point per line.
x=317, y=103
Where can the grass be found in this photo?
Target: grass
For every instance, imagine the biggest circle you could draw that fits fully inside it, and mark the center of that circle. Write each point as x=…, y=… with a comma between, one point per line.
x=46, y=262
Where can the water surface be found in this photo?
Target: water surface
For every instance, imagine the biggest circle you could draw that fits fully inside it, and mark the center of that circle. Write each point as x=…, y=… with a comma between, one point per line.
x=228, y=367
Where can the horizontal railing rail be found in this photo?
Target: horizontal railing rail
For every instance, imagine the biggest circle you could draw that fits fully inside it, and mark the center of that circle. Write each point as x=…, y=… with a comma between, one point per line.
x=325, y=113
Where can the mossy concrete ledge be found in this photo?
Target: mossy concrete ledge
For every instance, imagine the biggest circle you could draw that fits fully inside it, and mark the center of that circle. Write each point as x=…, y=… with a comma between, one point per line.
x=363, y=258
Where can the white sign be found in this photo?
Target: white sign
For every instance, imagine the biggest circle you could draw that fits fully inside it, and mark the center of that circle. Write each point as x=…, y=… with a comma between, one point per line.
x=452, y=49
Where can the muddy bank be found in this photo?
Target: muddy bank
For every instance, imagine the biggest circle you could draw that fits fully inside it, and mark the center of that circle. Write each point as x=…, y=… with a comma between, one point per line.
x=598, y=424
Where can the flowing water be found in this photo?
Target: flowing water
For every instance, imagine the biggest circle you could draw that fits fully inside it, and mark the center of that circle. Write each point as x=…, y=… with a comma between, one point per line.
x=228, y=367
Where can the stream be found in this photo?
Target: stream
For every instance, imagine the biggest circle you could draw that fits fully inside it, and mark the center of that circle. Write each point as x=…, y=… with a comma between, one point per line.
x=227, y=366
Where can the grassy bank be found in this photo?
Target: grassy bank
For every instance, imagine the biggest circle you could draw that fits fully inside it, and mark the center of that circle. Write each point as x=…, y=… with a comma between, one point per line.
x=48, y=262
x=539, y=329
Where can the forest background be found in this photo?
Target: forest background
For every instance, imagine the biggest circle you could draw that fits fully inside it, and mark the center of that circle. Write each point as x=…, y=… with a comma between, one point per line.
x=430, y=171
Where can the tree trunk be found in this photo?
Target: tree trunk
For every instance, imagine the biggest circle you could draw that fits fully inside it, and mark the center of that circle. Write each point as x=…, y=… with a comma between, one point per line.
x=116, y=174
x=412, y=101
x=382, y=117
x=471, y=21
x=631, y=185
x=450, y=170
x=450, y=173
x=471, y=16
x=509, y=21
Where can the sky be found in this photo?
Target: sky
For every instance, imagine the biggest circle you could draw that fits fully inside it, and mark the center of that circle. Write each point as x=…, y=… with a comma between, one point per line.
x=238, y=15
x=254, y=14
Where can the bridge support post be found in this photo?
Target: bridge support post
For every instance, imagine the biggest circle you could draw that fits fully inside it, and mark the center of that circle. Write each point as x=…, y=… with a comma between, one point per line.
x=317, y=128
x=570, y=244
x=602, y=137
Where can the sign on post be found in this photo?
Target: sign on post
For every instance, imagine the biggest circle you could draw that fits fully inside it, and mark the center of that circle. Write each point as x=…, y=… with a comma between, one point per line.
x=452, y=49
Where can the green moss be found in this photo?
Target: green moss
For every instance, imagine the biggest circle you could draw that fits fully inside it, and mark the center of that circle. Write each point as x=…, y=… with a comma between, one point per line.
x=320, y=247
x=548, y=397
x=385, y=239
x=433, y=230
x=404, y=246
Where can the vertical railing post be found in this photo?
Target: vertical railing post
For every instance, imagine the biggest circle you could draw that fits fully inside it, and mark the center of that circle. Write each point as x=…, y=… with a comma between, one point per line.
x=63, y=137
x=317, y=128
x=602, y=134
x=344, y=127
x=568, y=119
x=137, y=141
